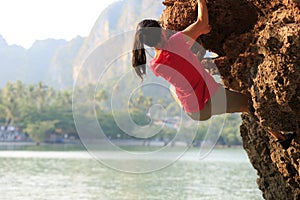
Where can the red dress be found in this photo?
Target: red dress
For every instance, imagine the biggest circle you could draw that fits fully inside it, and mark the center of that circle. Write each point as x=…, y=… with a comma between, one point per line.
x=180, y=67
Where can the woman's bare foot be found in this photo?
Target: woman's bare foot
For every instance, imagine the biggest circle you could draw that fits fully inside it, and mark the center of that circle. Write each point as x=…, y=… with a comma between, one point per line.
x=284, y=139
x=277, y=136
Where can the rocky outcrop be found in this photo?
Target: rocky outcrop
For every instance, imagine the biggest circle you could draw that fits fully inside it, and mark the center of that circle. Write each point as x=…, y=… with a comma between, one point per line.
x=258, y=44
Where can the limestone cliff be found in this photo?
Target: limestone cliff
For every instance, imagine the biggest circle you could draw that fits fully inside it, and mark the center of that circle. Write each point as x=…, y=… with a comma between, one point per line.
x=258, y=43
x=119, y=18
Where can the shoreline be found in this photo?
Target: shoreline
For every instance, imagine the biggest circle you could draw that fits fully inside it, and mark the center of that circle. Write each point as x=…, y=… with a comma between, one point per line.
x=27, y=146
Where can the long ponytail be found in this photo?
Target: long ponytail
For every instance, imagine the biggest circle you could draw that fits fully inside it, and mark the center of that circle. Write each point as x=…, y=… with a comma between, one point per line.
x=148, y=33
x=139, y=55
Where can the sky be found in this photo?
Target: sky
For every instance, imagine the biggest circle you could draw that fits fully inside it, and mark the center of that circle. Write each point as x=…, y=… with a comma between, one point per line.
x=24, y=21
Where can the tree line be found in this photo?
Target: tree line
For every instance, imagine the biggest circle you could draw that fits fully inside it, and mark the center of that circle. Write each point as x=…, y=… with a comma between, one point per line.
x=38, y=109
x=41, y=110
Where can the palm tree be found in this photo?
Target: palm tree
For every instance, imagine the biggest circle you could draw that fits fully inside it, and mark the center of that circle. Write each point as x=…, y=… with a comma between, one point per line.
x=11, y=98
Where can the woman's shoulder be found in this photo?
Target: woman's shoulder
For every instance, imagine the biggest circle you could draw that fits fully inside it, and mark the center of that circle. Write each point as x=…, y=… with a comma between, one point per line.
x=178, y=43
x=176, y=36
x=181, y=38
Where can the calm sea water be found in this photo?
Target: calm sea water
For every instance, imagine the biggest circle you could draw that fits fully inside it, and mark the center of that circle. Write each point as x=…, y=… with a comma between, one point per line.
x=48, y=175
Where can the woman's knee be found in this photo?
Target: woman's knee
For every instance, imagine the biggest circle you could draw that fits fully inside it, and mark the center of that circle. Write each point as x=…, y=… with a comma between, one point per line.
x=199, y=116
x=204, y=117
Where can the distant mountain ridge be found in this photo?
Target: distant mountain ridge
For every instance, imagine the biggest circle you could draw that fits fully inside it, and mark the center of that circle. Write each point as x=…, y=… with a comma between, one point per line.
x=56, y=62
x=39, y=62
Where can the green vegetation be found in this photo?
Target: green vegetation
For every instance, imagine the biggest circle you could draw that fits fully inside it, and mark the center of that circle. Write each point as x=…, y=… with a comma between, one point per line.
x=39, y=130
x=42, y=111
x=38, y=109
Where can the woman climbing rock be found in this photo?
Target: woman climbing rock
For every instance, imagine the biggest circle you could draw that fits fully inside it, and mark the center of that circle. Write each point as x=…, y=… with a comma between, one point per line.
x=199, y=94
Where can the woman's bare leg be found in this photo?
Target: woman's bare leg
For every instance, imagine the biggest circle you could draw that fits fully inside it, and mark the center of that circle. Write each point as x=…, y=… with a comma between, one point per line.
x=236, y=102
x=223, y=101
x=227, y=101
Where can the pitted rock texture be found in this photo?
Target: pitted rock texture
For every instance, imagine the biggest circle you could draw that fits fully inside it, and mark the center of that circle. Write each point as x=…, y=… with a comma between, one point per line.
x=259, y=47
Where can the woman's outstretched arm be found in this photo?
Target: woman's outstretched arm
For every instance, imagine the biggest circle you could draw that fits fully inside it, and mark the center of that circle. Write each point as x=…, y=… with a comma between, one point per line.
x=201, y=26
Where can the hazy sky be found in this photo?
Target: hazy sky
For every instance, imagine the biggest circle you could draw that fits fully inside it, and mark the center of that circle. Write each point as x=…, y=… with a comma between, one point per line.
x=24, y=21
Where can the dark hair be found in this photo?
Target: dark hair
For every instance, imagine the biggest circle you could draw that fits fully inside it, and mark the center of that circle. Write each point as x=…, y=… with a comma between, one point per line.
x=148, y=32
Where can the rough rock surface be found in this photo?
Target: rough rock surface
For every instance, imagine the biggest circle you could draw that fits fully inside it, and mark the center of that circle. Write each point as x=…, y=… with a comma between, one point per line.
x=259, y=47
